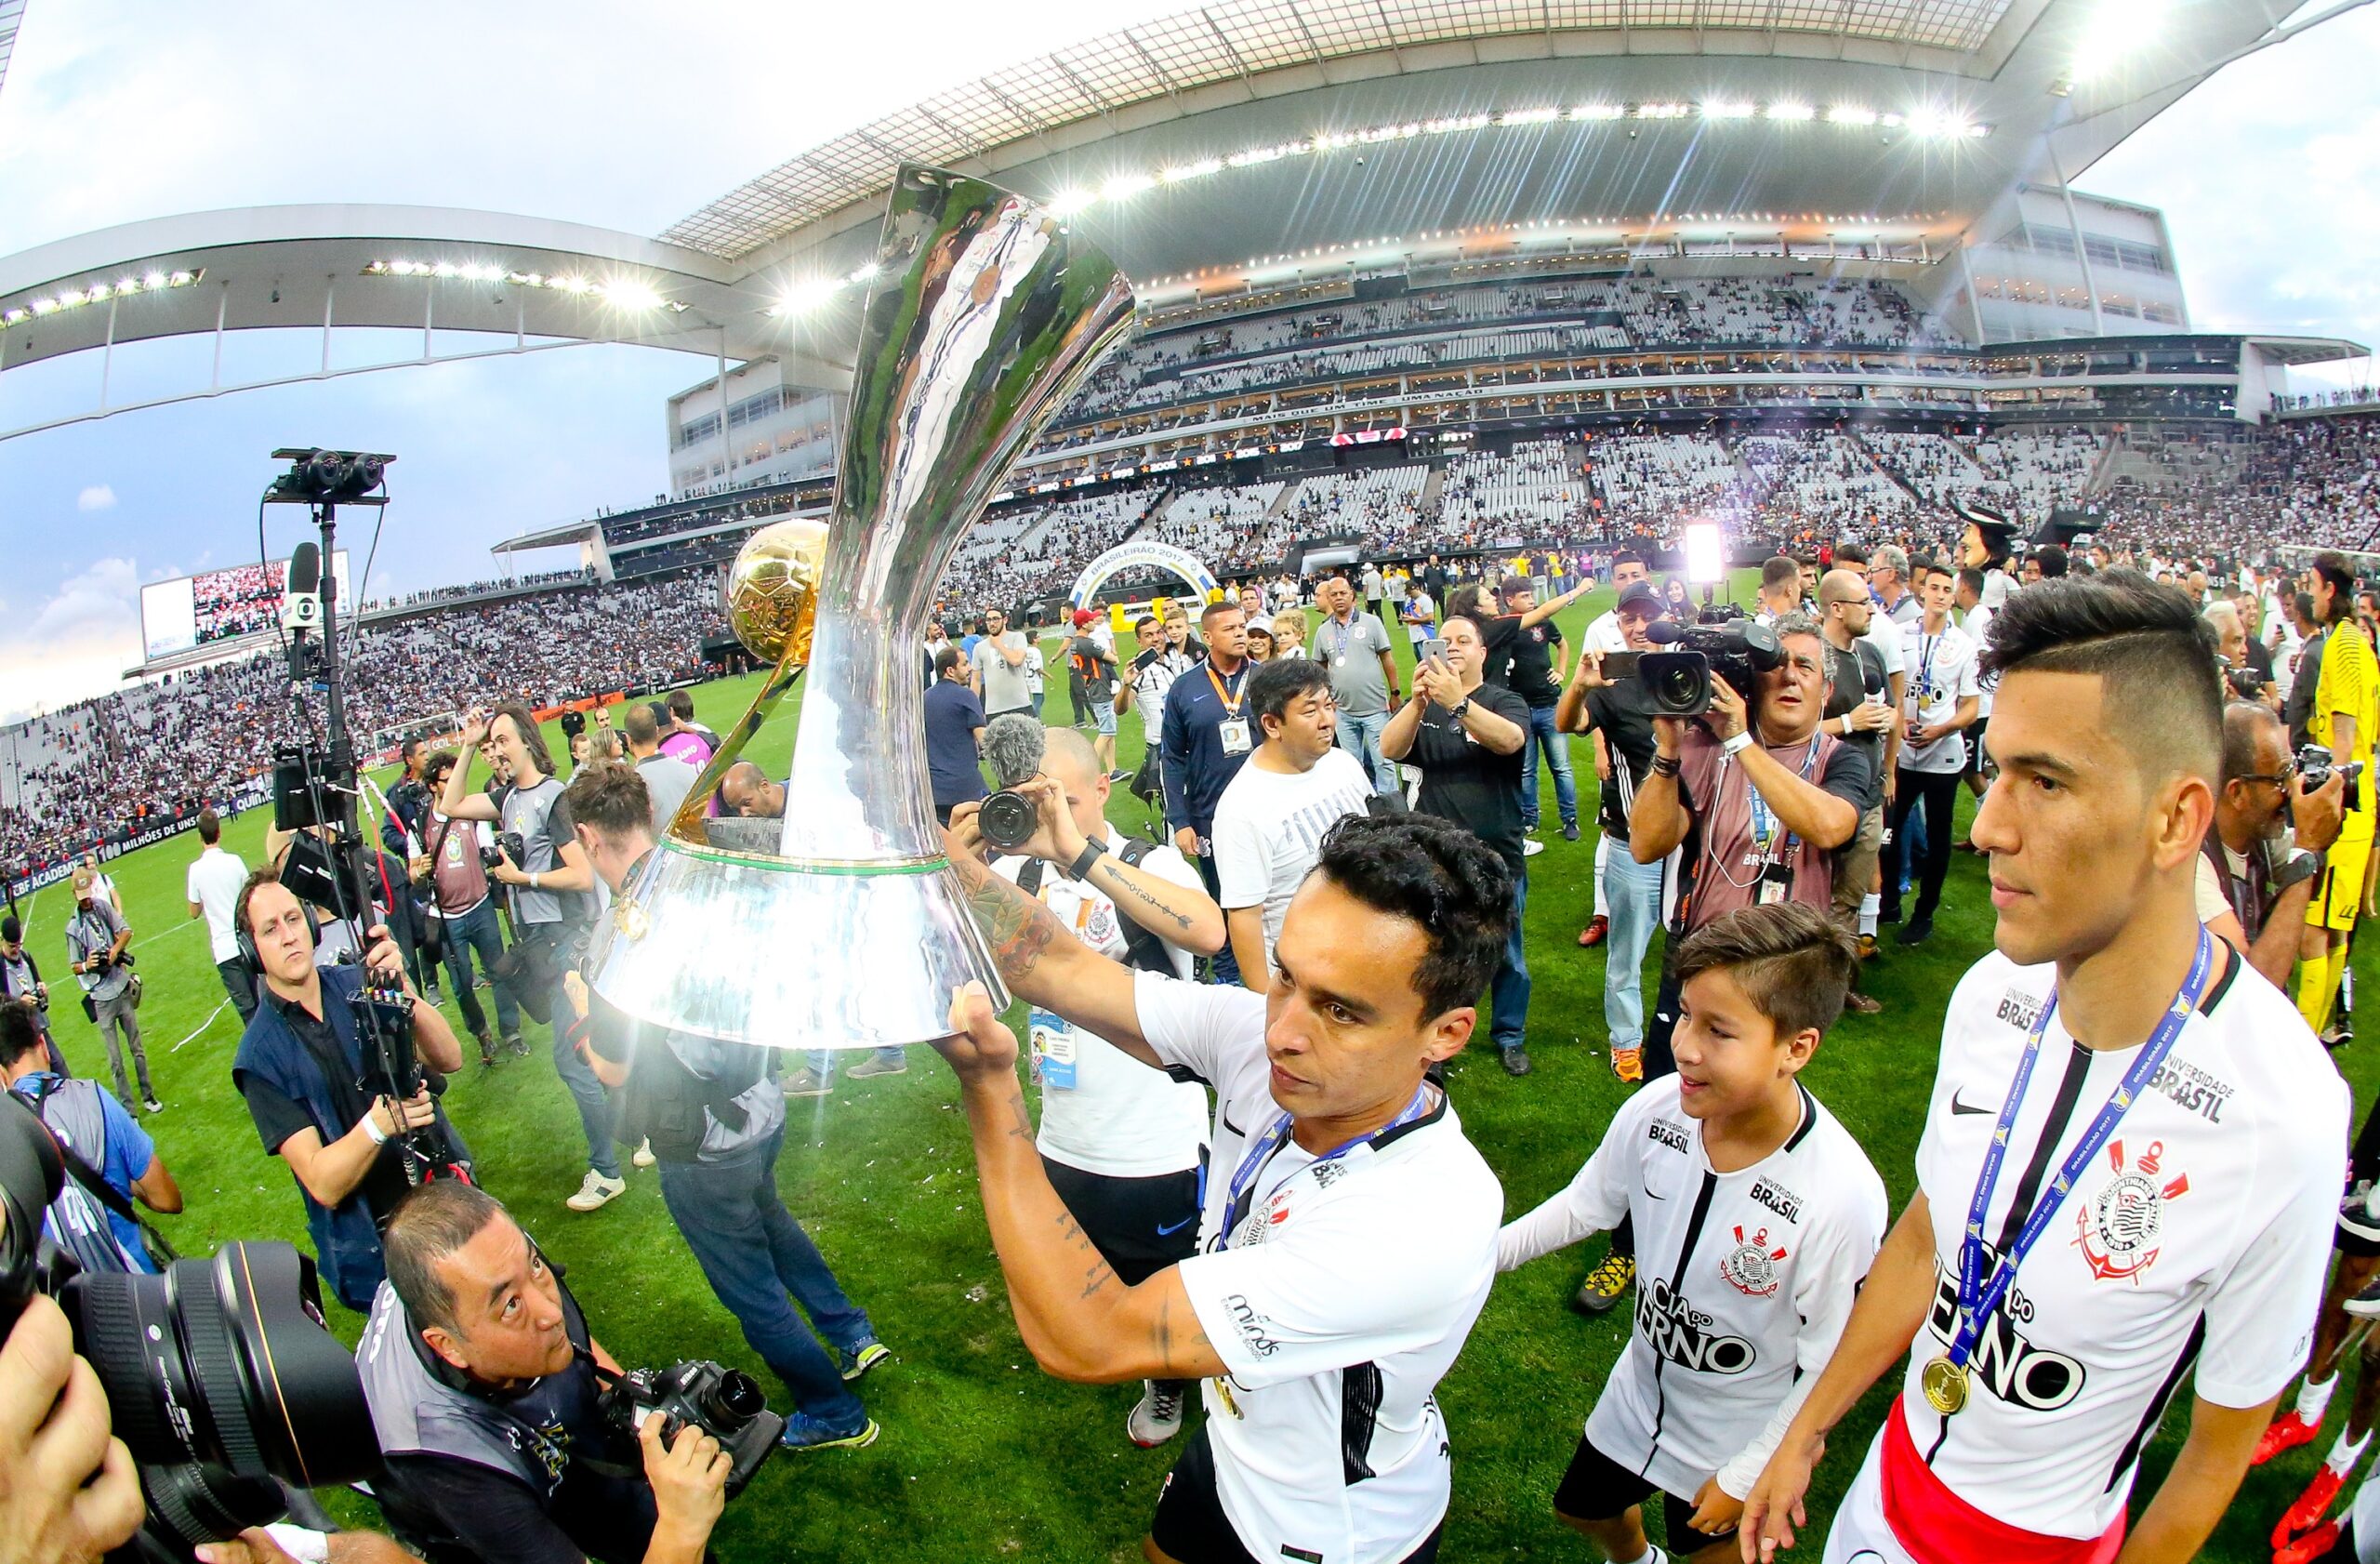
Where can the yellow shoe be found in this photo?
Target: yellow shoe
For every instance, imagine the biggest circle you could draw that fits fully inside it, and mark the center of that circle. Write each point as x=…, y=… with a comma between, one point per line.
x=1628, y=1063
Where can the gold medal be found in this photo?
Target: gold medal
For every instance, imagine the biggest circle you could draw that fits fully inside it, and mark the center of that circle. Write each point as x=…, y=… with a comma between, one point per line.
x=1945, y=1384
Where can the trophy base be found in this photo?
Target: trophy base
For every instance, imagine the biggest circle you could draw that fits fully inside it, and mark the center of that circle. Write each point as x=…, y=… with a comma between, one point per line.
x=789, y=953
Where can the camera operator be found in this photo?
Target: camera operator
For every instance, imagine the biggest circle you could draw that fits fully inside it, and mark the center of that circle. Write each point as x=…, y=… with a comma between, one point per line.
x=552, y=892
x=114, y=1160
x=21, y=984
x=68, y=1490
x=1619, y=713
x=2254, y=882
x=1471, y=738
x=482, y=1380
x=1124, y=1146
x=96, y=939
x=716, y=1122
x=302, y=1066
x=2344, y=714
x=1759, y=801
x=460, y=852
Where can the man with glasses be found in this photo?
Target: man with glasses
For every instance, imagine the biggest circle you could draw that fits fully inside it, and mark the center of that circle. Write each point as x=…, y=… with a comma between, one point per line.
x=2254, y=881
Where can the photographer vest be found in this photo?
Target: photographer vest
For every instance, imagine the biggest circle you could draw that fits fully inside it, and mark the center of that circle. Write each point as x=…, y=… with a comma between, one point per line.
x=421, y=1405
x=78, y=1218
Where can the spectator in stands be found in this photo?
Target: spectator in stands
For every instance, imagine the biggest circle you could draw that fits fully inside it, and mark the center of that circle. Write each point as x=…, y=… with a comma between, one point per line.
x=1271, y=818
x=105, y=1142
x=96, y=939
x=1207, y=736
x=1002, y=682
x=465, y=908
x=667, y=779
x=1354, y=648
x=954, y=725
x=211, y=886
x=747, y=792
x=1468, y=737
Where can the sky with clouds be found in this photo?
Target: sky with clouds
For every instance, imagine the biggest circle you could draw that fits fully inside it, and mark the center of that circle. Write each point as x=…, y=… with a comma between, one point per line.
x=625, y=115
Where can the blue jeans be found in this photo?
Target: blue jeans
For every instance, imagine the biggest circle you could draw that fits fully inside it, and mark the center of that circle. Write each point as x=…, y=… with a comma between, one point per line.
x=1547, y=738
x=753, y=1252
x=594, y=1103
x=1508, y=995
x=1361, y=737
x=822, y=1060
x=476, y=931
x=1634, y=891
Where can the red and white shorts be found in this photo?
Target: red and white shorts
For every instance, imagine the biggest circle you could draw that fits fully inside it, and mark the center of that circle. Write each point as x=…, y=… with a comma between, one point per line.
x=1899, y=1512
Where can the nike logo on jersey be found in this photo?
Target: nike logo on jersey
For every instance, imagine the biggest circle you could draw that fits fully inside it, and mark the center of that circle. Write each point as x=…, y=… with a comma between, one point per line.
x=1958, y=1107
x=1684, y=1334
x=1166, y=1232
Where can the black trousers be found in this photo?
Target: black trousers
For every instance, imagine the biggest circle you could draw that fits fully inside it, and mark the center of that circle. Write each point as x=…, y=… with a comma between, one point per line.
x=1937, y=791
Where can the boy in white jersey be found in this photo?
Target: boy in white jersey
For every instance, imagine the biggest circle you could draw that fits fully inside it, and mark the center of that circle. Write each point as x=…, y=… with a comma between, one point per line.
x=1756, y=1216
x=2131, y=1160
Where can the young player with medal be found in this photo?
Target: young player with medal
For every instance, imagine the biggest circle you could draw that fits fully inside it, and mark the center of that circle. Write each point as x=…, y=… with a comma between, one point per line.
x=2153, y=1210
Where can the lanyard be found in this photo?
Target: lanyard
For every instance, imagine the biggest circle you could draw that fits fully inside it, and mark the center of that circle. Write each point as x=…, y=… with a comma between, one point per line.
x=1230, y=698
x=1763, y=822
x=1338, y=645
x=1927, y=648
x=1261, y=1150
x=1979, y=1296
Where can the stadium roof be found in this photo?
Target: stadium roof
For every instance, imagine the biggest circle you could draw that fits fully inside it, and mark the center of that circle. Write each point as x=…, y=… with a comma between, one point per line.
x=12, y=14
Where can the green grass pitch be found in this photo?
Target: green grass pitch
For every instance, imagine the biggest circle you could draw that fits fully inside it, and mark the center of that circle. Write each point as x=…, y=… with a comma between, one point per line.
x=983, y=1456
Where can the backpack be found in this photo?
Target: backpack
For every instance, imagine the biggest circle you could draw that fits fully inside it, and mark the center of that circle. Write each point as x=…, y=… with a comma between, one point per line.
x=1144, y=951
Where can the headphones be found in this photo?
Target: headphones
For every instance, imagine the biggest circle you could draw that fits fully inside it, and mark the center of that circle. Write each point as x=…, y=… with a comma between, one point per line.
x=250, y=961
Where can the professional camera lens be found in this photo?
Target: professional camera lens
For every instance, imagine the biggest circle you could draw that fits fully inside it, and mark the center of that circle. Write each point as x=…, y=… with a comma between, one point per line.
x=1679, y=682
x=1007, y=819
x=225, y=1362
x=730, y=1403
x=208, y=1503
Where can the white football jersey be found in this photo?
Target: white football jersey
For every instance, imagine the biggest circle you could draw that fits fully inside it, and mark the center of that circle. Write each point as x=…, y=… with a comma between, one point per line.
x=2193, y=1247
x=1744, y=1281
x=1346, y=1293
x=1940, y=671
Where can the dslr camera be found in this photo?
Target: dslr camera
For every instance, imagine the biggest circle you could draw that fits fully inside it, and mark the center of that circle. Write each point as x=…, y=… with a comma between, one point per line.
x=725, y=1403
x=508, y=845
x=219, y=1376
x=1007, y=819
x=1724, y=643
x=2315, y=766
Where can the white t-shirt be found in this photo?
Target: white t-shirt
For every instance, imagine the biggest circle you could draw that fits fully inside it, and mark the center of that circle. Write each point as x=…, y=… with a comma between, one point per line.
x=1941, y=673
x=1604, y=634
x=1978, y=626
x=213, y=883
x=2204, y=1228
x=1343, y=1300
x=1885, y=636
x=1744, y=1283
x=1269, y=827
x=1421, y=614
x=1119, y=1119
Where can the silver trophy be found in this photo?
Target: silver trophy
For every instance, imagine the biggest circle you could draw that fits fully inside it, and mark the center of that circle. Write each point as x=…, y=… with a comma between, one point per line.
x=850, y=930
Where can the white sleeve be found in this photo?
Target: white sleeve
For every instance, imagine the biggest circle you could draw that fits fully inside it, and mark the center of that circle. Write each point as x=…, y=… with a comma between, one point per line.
x=1967, y=686
x=1591, y=1202
x=1829, y=1286
x=1241, y=874
x=1337, y=1288
x=1889, y=645
x=190, y=884
x=2260, y=1320
x=1204, y=1028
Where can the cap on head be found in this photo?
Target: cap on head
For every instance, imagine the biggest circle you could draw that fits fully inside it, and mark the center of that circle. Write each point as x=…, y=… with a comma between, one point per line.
x=1640, y=597
x=1082, y=617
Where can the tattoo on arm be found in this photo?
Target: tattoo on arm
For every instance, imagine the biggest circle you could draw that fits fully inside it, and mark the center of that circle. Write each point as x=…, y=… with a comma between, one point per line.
x=1114, y=882
x=1161, y=1335
x=1018, y=926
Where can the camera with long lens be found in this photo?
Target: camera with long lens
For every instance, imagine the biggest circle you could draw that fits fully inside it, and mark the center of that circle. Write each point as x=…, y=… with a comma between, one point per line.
x=1678, y=681
x=1007, y=819
x=2315, y=766
x=725, y=1403
x=220, y=1375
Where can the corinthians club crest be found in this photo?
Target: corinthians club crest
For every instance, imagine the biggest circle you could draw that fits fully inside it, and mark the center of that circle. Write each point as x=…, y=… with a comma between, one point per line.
x=2119, y=1232
x=1751, y=1267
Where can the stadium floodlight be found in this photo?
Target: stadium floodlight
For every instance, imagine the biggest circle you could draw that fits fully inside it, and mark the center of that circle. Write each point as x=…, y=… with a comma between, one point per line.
x=1706, y=553
x=1794, y=112
x=1125, y=186
x=1850, y=113
x=1599, y=111
x=629, y=294
x=1660, y=111
x=1069, y=202
x=1727, y=110
x=2114, y=34
x=1197, y=170
x=862, y=276
x=1529, y=116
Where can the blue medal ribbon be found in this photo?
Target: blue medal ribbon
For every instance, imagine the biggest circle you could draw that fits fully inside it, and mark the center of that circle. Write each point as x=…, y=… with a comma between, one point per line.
x=1979, y=1296
x=1261, y=1150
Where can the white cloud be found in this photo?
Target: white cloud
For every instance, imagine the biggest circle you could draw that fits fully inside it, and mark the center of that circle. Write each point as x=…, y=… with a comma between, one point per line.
x=99, y=497
x=77, y=643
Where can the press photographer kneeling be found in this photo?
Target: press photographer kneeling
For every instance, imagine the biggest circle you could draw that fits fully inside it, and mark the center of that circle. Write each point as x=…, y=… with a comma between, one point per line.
x=497, y=1437
x=328, y=1067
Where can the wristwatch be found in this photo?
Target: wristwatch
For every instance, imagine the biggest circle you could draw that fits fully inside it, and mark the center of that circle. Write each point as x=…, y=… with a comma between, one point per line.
x=1090, y=856
x=2302, y=866
x=1458, y=708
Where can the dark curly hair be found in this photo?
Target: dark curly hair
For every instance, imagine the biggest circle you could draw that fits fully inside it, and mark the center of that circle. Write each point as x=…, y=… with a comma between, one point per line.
x=2153, y=652
x=1440, y=877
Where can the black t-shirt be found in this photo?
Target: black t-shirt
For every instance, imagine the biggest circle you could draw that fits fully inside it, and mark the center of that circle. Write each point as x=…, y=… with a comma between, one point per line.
x=1622, y=712
x=1531, y=675
x=1464, y=781
x=2260, y=658
x=278, y=1116
x=1850, y=675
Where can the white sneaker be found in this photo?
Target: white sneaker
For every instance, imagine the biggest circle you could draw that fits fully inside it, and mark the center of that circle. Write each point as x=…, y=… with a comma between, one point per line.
x=643, y=1157
x=595, y=1192
x=1531, y=847
x=1157, y=1416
